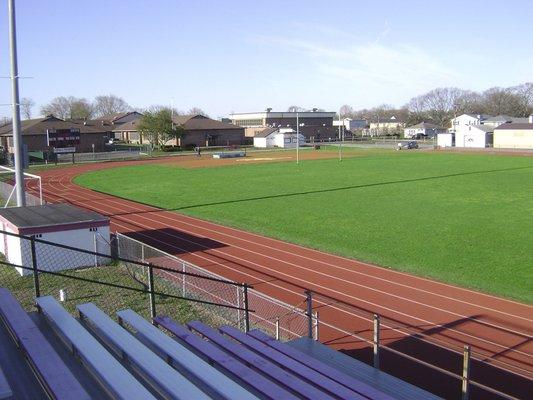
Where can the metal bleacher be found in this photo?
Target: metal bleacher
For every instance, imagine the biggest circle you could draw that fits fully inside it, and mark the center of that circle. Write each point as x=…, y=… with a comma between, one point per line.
x=97, y=357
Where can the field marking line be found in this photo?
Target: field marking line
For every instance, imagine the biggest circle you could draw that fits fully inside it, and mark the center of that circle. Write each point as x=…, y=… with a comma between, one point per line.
x=332, y=290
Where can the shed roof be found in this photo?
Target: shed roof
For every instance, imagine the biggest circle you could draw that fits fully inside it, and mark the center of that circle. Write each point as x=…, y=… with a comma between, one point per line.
x=265, y=132
x=516, y=126
x=49, y=215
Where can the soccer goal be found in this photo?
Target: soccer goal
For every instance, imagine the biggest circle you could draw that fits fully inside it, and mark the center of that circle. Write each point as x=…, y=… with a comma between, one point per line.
x=32, y=184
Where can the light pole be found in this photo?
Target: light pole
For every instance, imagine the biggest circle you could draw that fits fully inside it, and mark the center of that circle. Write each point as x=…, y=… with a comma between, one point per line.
x=297, y=137
x=17, y=139
x=340, y=140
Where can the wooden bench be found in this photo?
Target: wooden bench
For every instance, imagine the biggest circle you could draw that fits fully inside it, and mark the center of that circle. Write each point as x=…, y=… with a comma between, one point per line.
x=108, y=371
x=323, y=382
x=168, y=382
x=5, y=389
x=382, y=381
x=186, y=362
x=224, y=362
x=266, y=367
x=324, y=369
x=52, y=373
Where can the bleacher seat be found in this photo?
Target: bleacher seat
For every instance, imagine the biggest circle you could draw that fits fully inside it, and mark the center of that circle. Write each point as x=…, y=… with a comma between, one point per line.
x=266, y=367
x=187, y=363
x=324, y=369
x=49, y=368
x=162, y=377
x=324, y=382
x=238, y=370
x=382, y=381
x=110, y=373
x=5, y=390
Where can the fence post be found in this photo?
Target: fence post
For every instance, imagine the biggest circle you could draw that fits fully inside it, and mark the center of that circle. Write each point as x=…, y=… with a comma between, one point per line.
x=376, y=340
x=465, y=389
x=142, y=252
x=183, y=284
x=277, y=328
x=238, y=306
x=36, y=286
x=151, y=289
x=309, y=313
x=246, y=309
x=95, y=242
x=316, y=326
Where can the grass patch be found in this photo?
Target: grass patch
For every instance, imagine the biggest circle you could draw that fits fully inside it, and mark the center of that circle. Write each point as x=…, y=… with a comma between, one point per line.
x=109, y=299
x=459, y=218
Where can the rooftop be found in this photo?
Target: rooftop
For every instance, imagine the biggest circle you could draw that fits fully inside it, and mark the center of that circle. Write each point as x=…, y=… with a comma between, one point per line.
x=520, y=126
x=49, y=215
x=39, y=126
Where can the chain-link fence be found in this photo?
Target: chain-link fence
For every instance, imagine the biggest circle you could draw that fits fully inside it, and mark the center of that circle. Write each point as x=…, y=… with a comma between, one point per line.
x=32, y=267
x=280, y=319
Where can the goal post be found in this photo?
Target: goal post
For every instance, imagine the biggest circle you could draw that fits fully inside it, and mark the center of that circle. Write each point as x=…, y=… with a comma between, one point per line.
x=33, y=184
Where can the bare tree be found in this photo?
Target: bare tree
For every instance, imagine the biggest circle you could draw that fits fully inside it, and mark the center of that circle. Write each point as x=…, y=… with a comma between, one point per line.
x=500, y=101
x=26, y=105
x=109, y=104
x=295, y=109
x=197, y=111
x=346, y=111
x=68, y=107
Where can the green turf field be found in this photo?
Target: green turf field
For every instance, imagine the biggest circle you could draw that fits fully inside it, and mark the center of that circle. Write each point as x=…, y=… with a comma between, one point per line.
x=461, y=218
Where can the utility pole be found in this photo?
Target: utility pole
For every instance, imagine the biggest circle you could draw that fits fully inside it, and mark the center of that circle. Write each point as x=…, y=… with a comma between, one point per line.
x=17, y=138
x=340, y=139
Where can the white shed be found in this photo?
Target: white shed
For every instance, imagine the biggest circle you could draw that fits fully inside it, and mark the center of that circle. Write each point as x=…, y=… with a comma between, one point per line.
x=274, y=137
x=445, y=139
x=63, y=224
x=478, y=136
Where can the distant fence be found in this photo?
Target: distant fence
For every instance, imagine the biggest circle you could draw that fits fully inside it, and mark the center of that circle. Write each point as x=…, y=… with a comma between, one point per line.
x=134, y=152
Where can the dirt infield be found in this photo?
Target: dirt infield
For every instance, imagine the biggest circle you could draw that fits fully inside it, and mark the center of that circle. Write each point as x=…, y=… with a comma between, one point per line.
x=422, y=316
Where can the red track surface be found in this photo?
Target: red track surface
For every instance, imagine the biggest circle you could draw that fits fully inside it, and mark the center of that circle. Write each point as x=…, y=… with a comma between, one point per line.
x=420, y=316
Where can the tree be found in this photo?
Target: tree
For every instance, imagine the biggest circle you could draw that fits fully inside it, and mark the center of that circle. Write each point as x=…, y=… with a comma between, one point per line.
x=500, y=101
x=346, y=111
x=109, y=104
x=295, y=109
x=158, y=128
x=68, y=107
x=26, y=105
x=197, y=111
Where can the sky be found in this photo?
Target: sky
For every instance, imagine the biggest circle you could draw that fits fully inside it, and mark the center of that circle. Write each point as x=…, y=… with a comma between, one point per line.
x=247, y=55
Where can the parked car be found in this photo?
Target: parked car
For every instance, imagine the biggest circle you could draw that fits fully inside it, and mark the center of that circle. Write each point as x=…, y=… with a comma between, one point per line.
x=408, y=145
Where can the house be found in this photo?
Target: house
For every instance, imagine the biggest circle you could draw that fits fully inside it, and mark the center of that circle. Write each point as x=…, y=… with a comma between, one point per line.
x=386, y=126
x=59, y=223
x=466, y=120
x=276, y=137
x=121, y=117
x=198, y=131
x=314, y=125
x=36, y=132
x=477, y=136
x=423, y=129
x=514, y=135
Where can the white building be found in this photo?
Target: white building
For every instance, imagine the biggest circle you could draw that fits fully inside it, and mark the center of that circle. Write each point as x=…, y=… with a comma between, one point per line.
x=476, y=136
x=422, y=129
x=445, y=139
x=58, y=223
x=465, y=120
x=275, y=137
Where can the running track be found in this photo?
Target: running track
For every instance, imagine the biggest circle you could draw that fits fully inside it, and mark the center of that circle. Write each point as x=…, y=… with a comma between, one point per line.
x=420, y=316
